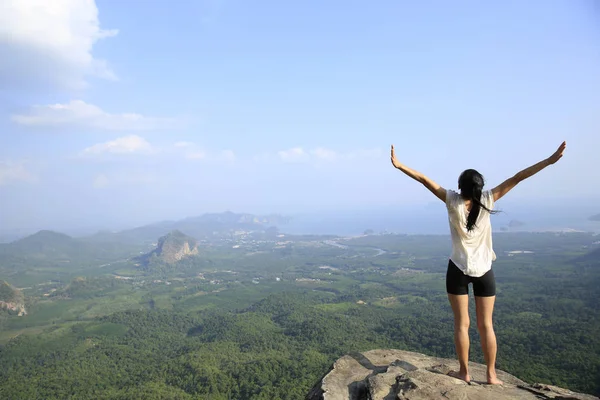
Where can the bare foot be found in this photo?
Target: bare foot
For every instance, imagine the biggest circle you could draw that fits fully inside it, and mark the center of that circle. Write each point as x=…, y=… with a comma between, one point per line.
x=493, y=380
x=463, y=376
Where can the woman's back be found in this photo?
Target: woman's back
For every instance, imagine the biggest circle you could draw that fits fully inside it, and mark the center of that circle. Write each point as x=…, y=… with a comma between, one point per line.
x=472, y=250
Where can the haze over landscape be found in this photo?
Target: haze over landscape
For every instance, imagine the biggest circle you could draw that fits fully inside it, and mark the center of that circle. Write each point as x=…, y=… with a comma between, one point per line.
x=115, y=115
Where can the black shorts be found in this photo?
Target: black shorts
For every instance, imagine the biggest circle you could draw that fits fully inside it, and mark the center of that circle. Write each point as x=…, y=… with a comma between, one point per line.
x=458, y=283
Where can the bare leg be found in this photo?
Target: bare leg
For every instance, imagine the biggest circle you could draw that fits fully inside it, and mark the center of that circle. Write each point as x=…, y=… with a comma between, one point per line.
x=484, y=307
x=460, y=308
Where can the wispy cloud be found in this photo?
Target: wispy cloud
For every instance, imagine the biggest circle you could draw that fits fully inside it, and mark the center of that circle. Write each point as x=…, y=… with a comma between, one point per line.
x=79, y=114
x=295, y=154
x=50, y=43
x=13, y=172
x=192, y=151
x=131, y=144
x=322, y=155
x=137, y=145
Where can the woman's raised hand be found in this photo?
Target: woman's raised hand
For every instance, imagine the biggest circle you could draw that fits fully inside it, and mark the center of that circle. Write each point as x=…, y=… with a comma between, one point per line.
x=557, y=154
x=395, y=161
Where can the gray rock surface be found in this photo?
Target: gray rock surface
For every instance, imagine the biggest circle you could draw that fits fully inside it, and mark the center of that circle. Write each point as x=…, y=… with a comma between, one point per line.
x=403, y=375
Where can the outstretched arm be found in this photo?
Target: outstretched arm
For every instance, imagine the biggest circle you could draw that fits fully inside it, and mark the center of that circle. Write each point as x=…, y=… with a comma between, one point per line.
x=436, y=189
x=506, y=186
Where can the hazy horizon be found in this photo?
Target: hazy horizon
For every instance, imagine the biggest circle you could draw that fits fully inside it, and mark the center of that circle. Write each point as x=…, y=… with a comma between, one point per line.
x=108, y=122
x=417, y=219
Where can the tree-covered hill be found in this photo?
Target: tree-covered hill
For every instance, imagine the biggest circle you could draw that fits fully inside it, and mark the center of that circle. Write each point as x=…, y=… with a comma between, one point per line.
x=51, y=250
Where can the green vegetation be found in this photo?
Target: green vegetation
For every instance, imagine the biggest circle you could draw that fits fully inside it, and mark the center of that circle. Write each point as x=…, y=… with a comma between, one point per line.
x=8, y=293
x=257, y=316
x=11, y=301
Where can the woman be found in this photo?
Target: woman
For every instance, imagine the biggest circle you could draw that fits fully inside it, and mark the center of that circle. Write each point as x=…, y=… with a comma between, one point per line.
x=472, y=254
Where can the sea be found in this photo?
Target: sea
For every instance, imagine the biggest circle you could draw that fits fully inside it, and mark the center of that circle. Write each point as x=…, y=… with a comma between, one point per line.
x=423, y=221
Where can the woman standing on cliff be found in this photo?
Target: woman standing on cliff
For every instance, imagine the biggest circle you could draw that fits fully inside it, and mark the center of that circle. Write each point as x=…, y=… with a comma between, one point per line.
x=472, y=254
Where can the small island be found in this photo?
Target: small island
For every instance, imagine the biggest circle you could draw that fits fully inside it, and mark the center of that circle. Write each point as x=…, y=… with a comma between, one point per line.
x=595, y=218
x=515, y=224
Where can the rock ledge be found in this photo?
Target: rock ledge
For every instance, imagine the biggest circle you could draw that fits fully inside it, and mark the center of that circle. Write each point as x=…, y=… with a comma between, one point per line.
x=403, y=375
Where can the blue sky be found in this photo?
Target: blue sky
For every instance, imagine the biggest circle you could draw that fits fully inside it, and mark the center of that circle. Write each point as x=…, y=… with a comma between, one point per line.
x=113, y=113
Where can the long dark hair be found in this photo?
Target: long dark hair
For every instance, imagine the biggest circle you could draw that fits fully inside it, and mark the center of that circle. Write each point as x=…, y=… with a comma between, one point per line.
x=471, y=184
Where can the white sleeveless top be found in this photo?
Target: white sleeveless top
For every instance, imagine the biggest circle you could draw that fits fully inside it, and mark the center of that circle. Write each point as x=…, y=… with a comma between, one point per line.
x=472, y=252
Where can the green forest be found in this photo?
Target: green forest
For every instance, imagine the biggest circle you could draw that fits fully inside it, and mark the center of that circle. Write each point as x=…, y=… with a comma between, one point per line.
x=259, y=318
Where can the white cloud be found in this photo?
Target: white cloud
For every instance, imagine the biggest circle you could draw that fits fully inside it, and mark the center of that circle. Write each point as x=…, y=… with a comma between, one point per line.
x=11, y=172
x=324, y=154
x=192, y=151
x=131, y=144
x=296, y=154
x=50, y=42
x=321, y=154
x=136, y=145
x=79, y=114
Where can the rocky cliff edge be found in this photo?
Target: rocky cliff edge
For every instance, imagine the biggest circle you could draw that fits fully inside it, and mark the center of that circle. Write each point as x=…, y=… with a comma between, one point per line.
x=403, y=375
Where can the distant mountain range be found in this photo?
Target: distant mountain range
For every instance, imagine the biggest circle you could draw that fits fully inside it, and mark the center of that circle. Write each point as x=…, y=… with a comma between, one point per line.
x=48, y=248
x=409, y=220
x=197, y=227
